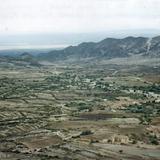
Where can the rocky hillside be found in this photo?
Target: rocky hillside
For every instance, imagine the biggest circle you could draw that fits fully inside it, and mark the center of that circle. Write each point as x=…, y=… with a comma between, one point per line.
x=108, y=48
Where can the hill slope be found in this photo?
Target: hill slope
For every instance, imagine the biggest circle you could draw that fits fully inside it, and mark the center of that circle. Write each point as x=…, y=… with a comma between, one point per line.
x=108, y=48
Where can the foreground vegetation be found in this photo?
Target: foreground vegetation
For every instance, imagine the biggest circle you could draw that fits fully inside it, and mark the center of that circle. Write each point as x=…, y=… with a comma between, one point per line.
x=79, y=112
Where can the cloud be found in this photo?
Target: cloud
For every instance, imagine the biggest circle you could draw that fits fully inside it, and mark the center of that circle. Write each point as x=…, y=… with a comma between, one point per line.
x=42, y=16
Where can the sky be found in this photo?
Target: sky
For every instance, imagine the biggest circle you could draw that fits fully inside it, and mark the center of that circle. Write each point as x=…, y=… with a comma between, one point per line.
x=44, y=16
x=23, y=17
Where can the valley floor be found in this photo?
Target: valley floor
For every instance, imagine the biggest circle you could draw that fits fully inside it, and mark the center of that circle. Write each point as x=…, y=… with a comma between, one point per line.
x=74, y=112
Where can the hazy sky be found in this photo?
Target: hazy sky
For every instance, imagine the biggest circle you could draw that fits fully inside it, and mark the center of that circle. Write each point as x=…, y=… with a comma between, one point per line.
x=77, y=16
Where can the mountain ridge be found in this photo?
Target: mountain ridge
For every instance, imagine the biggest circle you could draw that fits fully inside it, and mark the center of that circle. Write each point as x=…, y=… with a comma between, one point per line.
x=107, y=48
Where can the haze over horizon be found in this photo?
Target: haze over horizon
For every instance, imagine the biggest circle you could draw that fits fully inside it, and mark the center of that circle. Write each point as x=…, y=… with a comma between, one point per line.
x=69, y=22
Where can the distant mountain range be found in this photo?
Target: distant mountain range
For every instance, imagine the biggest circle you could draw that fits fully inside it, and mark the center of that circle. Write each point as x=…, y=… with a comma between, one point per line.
x=25, y=59
x=107, y=49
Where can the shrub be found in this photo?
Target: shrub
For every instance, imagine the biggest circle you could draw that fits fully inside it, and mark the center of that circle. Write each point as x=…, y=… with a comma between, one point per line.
x=86, y=132
x=154, y=140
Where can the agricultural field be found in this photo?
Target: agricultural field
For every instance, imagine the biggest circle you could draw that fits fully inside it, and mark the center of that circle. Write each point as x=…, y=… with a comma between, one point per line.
x=79, y=111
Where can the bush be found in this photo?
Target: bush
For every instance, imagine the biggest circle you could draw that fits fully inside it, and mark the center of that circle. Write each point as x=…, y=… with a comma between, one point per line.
x=121, y=151
x=154, y=140
x=134, y=142
x=86, y=132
